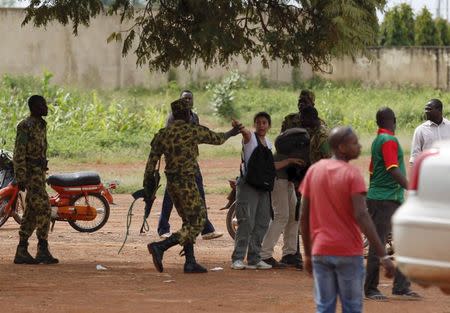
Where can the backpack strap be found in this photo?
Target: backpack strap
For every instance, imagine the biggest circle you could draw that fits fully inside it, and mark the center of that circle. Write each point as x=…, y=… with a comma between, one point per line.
x=243, y=156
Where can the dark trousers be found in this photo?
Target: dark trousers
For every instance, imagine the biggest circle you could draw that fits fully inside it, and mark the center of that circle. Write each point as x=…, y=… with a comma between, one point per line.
x=381, y=212
x=163, y=224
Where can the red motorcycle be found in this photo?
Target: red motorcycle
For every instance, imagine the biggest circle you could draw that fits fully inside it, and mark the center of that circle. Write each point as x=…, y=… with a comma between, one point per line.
x=81, y=199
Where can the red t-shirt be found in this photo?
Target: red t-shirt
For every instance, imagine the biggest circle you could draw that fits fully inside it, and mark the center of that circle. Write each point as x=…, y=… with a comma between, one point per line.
x=329, y=185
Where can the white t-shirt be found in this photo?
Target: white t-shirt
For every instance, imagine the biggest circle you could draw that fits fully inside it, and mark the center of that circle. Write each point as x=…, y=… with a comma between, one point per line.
x=250, y=146
x=426, y=134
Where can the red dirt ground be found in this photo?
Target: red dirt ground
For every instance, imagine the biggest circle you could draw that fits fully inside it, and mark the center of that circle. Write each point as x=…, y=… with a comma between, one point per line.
x=131, y=284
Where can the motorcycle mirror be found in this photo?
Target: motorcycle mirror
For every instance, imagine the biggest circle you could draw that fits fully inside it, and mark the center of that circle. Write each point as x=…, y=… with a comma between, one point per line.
x=2, y=141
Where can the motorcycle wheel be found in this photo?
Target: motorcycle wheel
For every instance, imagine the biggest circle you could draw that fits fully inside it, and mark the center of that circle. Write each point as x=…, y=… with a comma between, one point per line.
x=3, y=216
x=102, y=206
x=232, y=220
x=19, y=208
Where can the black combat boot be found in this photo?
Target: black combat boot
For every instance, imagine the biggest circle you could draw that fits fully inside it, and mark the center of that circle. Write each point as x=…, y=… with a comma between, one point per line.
x=157, y=249
x=43, y=255
x=22, y=254
x=191, y=266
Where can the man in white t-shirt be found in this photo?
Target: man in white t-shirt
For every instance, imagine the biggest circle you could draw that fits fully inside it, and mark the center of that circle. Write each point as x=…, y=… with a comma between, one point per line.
x=435, y=128
x=252, y=204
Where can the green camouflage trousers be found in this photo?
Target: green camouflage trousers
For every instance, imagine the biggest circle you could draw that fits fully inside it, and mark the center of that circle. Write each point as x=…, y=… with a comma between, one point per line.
x=190, y=207
x=37, y=213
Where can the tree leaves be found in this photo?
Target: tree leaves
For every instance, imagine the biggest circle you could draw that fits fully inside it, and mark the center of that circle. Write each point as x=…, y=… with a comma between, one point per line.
x=168, y=33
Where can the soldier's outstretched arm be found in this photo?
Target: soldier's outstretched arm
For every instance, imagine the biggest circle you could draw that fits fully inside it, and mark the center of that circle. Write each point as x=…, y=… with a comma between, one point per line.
x=205, y=135
x=20, y=154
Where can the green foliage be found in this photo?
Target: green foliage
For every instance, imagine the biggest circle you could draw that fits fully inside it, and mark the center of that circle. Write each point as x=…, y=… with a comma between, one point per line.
x=426, y=33
x=397, y=28
x=172, y=33
x=223, y=95
x=80, y=124
x=444, y=32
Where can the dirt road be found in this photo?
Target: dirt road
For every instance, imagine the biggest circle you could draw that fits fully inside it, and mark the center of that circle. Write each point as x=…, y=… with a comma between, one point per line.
x=131, y=284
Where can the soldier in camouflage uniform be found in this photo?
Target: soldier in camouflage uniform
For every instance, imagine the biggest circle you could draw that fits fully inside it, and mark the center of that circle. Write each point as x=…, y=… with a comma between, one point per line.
x=178, y=143
x=30, y=165
x=318, y=145
x=292, y=120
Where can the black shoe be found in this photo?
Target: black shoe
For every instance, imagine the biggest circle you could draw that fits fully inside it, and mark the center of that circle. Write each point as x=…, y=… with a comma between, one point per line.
x=292, y=260
x=157, y=249
x=43, y=255
x=275, y=263
x=22, y=255
x=191, y=266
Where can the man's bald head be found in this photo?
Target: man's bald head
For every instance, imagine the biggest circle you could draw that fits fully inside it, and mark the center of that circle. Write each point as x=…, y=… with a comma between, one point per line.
x=339, y=135
x=344, y=143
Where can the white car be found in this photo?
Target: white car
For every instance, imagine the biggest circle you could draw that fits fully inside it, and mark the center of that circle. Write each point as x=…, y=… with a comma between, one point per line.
x=421, y=226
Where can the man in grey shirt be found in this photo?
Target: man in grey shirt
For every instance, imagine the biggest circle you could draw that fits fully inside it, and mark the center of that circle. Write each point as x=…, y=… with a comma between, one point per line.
x=435, y=128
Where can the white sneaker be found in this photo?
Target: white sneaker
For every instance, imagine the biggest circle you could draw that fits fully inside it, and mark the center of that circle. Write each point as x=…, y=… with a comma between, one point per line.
x=212, y=235
x=261, y=265
x=166, y=235
x=238, y=265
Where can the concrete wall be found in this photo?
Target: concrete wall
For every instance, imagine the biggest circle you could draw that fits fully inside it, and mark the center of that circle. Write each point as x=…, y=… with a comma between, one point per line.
x=89, y=61
x=421, y=66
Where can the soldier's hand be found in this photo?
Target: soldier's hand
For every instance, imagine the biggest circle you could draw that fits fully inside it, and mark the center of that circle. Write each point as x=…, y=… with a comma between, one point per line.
x=237, y=124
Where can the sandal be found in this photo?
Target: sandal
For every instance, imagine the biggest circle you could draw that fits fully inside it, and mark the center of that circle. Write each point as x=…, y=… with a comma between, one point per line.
x=379, y=297
x=407, y=295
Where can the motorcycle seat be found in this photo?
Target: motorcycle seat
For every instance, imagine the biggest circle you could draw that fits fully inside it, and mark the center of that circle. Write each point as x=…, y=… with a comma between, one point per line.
x=74, y=179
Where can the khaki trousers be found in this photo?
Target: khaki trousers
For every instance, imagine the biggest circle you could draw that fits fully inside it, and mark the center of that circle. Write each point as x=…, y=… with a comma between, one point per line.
x=284, y=201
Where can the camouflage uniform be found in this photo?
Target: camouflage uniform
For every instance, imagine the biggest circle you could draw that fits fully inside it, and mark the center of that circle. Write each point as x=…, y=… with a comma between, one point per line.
x=179, y=144
x=30, y=165
x=319, y=148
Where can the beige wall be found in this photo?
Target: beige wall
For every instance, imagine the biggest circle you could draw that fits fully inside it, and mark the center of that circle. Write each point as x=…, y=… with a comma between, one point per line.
x=421, y=66
x=89, y=61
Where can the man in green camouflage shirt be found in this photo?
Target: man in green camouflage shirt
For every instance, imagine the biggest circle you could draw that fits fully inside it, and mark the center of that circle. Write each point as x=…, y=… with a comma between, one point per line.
x=318, y=132
x=318, y=145
x=292, y=120
x=178, y=143
x=30, y=166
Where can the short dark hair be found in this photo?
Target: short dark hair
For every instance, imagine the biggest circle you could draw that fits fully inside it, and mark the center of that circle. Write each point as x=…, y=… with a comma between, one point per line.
x=35, y=100
x=383, y=115
x=263, y=114
x=436, y=103
x=185, y=91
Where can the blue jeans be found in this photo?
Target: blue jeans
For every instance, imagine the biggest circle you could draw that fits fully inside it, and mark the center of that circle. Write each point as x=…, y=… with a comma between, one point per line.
x=167, y=205
x=338, y=275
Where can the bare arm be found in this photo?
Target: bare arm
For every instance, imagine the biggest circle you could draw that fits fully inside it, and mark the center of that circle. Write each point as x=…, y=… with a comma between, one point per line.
x=398, y=177
x=306, y=237
x=368, y=228
x=287, y=162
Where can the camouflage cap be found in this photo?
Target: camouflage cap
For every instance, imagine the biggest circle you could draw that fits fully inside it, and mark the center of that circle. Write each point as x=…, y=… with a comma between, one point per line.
x=180, y=105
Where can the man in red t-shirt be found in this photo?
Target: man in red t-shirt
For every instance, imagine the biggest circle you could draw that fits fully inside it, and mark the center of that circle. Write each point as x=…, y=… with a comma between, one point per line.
x=333, y=215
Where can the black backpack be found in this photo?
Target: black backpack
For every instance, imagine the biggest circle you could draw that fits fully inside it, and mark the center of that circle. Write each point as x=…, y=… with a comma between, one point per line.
x=260, y=169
